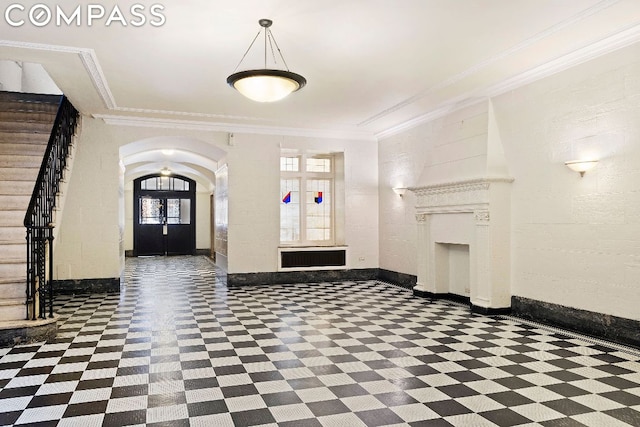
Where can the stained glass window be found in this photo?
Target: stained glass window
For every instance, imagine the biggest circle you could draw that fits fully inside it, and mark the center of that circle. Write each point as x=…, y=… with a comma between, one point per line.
x=306, y=208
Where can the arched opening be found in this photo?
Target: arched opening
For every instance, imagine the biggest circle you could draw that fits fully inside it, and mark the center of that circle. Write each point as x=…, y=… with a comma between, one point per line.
x=190, y=159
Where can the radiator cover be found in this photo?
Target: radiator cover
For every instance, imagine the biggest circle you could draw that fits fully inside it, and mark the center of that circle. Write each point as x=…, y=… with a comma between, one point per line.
x=313, y=259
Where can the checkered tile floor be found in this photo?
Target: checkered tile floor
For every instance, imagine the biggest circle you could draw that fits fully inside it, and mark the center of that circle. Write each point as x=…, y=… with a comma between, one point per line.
x=177, y=347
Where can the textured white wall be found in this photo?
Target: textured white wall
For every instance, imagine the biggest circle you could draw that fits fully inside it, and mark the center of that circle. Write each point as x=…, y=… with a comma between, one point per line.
x=89, y=237
x=574, y=241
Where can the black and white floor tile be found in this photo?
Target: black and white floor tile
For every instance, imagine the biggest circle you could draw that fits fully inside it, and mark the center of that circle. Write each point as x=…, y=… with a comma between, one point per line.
x=177, y=347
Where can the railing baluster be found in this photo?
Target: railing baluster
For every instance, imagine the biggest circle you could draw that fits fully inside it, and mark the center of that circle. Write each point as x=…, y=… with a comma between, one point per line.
x=39, y=217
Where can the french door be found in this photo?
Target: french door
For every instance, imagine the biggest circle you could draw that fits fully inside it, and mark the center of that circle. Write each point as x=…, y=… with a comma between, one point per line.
x=164, y=219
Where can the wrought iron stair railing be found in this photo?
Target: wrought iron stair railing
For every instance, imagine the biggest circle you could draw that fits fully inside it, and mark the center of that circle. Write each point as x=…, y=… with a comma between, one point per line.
x=39, y=217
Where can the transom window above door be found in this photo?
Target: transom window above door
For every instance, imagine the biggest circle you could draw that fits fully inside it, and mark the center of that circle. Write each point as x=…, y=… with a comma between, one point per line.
x=164, y=183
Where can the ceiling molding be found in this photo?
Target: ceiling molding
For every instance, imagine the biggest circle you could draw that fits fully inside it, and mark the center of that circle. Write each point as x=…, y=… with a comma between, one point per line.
x=186, y=114
x=619, y=40
x=483, y=64
x=234, y=128
x=88, y=58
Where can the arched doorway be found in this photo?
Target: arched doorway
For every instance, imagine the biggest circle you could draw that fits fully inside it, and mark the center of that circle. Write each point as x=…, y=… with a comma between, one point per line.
x=164, y=220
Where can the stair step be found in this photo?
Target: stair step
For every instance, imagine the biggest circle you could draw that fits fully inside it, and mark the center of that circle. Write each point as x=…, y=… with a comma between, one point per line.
x=6, y=96
x=13, y=310
x=19, y=174
x=43, y=117
x=11, y=218
x=29, y=107
x=13, y=249
x=13, y=234
x=22, y=105
x=15, y=202
x=22, y=149
x=26, y=126
x=28, y=137
x=20, y=161
x=22, y=188
x=16, y=289
x=10, y=267
x=13, y=280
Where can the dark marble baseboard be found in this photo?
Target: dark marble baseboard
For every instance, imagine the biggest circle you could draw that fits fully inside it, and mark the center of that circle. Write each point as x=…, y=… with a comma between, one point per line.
x=86, y=286
x=129, y=253
x=598, y=325
x=490, y=311
x=407, y=281
x=282, y=277
x=29, y=331
x=448, y=296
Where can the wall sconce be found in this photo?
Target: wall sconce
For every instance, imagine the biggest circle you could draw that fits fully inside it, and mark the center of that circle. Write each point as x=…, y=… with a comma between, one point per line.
x=400, y=191
x=165, y=171
x=581, y=166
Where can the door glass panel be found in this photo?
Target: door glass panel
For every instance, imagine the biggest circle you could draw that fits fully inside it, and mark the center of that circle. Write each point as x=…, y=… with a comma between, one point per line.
x=151, y=211
x=178, y=211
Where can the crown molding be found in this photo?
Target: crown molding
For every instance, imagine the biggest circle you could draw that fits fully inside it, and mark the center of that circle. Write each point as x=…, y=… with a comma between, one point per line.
x=489, y=61
x=618, y=40
x=206, y=126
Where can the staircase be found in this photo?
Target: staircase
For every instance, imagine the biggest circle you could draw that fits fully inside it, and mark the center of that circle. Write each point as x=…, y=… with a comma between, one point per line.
x=26, y=121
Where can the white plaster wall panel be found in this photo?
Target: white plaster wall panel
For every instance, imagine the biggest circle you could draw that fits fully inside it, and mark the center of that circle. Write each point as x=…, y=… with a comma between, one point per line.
x=402, y=159
x=361, y=203
x=254, y=186
x=36, y=80
x=459, y=147
x=583, y=260
x=203, y=220
x=10, y=76
x=89, y=245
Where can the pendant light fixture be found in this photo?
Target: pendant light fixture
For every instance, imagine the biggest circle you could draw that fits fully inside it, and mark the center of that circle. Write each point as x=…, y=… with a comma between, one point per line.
x=266, y=85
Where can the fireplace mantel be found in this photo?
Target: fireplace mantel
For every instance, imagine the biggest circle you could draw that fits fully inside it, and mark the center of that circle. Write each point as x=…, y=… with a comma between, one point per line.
x=479, y=212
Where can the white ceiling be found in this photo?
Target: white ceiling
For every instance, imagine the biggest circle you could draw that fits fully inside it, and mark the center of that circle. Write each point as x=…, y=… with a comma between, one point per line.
x=373, y=66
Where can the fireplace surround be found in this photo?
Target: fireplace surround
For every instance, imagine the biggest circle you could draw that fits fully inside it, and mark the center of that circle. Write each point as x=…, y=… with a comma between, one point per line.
x=474, y=212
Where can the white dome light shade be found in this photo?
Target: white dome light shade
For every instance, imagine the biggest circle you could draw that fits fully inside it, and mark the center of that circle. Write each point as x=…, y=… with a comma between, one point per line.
x=266, y=85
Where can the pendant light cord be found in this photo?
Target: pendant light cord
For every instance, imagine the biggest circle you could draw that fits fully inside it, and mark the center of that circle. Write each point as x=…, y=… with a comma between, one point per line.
x=267, y=35
x=245, y=54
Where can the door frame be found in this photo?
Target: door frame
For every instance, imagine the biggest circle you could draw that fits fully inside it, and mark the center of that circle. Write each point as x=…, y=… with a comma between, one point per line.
x=138, y=192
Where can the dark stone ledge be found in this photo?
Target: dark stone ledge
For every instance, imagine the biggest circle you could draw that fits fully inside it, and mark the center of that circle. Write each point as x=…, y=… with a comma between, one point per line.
x=407, y=281
x=598, y=325
x=283, y=277
x=86, y=286
x=28, y=331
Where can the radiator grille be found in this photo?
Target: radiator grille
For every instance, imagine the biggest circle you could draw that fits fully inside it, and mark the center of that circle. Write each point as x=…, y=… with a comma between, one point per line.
x=301, y=259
